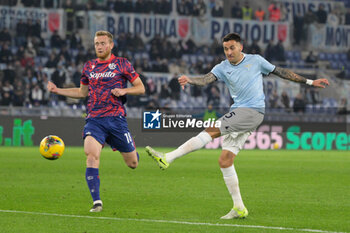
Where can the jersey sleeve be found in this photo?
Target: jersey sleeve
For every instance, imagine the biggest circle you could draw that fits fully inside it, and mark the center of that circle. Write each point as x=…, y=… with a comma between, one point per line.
x=265, y=66
x=129, y=72
x=218, y=72
x=84, y=78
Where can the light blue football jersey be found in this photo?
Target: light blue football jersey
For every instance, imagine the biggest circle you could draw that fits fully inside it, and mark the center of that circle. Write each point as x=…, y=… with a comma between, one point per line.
x=245, y=81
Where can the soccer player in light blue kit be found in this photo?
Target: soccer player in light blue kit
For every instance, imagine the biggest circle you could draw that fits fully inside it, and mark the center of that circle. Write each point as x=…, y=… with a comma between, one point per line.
x=242, y=74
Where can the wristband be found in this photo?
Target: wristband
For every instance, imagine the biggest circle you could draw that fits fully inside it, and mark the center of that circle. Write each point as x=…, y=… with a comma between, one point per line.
x=309, y=82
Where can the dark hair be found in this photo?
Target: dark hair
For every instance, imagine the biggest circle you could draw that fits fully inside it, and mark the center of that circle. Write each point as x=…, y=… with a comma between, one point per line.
x=232, y=36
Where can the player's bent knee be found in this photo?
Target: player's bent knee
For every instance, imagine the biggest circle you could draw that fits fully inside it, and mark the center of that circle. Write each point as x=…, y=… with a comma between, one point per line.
x=91, y=156
x=131, y=159
x=223, y=163
x=133, y=164
x=92, y=161
x=226, y=159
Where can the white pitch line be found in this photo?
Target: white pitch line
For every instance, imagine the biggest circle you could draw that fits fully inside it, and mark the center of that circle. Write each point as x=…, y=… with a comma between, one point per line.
x=170, y=221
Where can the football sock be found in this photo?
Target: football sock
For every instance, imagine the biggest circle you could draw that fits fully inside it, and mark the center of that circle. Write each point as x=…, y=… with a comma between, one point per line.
x=231, y=181
x=93, y=182
x=192, y=144
x=98, y=202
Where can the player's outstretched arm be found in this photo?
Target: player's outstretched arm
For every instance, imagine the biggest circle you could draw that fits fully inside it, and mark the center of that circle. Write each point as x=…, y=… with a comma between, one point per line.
x=137, y=89
x=78, y=93
x=289, y=75
x=199, y=81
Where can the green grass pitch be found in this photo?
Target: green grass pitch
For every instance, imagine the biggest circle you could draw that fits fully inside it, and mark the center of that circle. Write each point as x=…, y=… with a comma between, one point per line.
x=284, y=191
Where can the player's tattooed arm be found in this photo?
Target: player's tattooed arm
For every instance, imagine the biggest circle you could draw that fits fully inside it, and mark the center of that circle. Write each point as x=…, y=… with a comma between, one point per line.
x=289, y=75
x=199, y=81
x=202, y=80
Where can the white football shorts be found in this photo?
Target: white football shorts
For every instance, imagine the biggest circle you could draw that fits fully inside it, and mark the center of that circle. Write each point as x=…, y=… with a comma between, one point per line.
x=237, y=125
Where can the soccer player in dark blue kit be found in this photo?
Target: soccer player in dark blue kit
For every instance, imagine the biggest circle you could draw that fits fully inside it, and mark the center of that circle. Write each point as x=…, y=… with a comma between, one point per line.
x=104, y=81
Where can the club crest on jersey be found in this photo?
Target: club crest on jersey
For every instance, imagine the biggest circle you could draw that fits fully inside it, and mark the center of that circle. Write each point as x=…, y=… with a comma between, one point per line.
x=248, y=66
x=112, y=66
x=93, y=66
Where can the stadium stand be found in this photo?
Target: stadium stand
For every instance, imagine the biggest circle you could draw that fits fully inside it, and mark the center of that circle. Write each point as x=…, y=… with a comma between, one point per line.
x=30, y=55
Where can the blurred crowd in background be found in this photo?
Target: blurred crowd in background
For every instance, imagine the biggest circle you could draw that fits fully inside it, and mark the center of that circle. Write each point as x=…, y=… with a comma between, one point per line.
x=28, y=61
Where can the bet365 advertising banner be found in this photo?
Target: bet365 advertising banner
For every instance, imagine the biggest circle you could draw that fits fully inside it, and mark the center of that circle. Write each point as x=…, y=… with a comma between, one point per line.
x=296, y=136
x=28, y=131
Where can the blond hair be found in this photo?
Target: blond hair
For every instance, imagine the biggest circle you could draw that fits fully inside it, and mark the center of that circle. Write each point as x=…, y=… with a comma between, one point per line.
x=104, y=33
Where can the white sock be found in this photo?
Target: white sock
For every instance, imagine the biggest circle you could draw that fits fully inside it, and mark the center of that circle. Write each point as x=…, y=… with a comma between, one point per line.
x=192, y=144
x=97, y=202
x=231, y=181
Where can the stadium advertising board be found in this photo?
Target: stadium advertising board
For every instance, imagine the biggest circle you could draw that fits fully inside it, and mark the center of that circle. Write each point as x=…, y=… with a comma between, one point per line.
x=296, y=136
x=175, y=28
x=205, y=30
x=147, y=26
x=330, y=38
x=294, y=7
x=51, y=19
x=291, y=135
x=20, y=131
x=251, y=30
x=28, y=131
